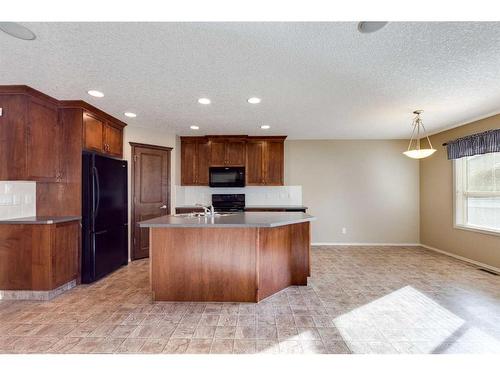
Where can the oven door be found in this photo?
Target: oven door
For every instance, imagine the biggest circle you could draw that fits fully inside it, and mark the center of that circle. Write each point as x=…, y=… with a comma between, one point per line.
x=227, y=177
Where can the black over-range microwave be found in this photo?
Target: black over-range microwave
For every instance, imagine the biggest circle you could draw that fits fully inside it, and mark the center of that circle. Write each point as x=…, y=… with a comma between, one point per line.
x=227, y=177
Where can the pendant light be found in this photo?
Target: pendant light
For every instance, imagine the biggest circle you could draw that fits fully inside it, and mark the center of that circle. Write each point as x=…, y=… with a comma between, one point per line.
x=414, y=151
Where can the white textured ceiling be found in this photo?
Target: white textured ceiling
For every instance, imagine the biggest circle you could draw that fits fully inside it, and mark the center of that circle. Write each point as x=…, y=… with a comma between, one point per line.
x=316, y=80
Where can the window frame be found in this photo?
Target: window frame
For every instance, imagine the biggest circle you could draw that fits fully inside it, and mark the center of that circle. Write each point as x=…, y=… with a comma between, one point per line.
x=460, y=201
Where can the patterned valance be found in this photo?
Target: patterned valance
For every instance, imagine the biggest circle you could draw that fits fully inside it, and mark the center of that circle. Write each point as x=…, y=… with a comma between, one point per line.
x=481, y=143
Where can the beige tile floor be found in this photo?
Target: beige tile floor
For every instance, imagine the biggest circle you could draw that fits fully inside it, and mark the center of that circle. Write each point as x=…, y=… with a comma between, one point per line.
x=359, y=300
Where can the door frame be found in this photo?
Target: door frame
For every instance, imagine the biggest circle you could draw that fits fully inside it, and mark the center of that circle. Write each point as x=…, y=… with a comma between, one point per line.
x=134, y=146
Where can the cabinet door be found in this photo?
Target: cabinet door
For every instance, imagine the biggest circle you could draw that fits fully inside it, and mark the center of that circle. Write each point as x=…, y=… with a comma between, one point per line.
x=65, y=253
x=93, y=129
x=235, y=152
x=12, y=137
x=202, y=162
x=274, y=163
x=218, y=152
x=113, y=138
x=188, y=163
x=43, y=142
x=255, y=160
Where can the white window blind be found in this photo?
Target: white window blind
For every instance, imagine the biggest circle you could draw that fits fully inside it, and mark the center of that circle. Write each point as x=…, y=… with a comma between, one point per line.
x=477, y=192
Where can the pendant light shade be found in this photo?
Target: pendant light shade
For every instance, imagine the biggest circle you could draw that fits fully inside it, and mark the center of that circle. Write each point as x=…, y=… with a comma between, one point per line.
x=414, y=151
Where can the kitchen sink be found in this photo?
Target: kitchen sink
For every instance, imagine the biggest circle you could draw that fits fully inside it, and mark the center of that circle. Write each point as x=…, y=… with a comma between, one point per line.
x=203, y=214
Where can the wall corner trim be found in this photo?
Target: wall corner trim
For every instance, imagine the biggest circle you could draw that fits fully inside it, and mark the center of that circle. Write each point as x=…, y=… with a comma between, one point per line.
x=463, y=259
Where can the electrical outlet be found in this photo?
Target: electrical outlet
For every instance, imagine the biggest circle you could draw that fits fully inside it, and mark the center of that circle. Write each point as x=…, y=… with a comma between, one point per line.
x=344, y=230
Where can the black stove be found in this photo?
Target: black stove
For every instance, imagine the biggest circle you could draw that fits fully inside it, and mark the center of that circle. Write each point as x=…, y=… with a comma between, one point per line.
x=228, y=202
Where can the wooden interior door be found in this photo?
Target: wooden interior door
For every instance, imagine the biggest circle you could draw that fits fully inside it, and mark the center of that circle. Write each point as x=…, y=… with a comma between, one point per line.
x=150, y=191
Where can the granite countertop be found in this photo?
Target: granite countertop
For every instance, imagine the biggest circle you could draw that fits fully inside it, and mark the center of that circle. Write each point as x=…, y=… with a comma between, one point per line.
x=233, y=220
x=40, y=220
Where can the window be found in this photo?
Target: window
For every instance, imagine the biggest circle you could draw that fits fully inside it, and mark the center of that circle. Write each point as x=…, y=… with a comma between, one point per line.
x=477, y=192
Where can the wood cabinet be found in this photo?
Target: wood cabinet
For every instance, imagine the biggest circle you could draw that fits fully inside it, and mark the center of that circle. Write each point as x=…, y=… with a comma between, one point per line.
x=274, y=162
x=30, y=136
x=38, y=256
x=43, y=141
x=195, y=153
x=265, y=161
x=262, y=157
x=101, y=135
x=227, y=151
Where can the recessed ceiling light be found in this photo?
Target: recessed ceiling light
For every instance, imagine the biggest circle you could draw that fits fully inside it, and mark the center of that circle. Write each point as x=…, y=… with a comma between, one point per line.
x=17, y=30
x=95, y=93
x=254, y=100
x=204, y=101
x=194, y=127
x=265, y=126
x=370, y=27
x=130, y=114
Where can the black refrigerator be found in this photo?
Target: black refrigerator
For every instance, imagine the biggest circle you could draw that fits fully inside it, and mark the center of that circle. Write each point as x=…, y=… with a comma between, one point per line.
x=104, y=216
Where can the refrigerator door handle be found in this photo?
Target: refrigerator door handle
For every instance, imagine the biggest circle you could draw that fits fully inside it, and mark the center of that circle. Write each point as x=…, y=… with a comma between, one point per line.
x=97, y=192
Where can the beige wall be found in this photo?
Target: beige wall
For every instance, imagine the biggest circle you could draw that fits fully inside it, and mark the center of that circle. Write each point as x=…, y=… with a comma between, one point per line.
x=367, y=187
x=436, y=202
x=152, y=137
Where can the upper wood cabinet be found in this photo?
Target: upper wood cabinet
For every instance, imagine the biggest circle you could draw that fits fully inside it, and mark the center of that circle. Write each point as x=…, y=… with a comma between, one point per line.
x=36, y=143
x=30, y=136
x=262, y=157
x=195, y=153
x=227, y=151
x=113, y=139
x=93, y=129
x=255, y=162
x=265, y=161
x=102, y=135
x=274, y=162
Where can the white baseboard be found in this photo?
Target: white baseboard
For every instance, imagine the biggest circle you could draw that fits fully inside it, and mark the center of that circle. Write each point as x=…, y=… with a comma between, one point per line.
x=463, y=259
x=362, y=244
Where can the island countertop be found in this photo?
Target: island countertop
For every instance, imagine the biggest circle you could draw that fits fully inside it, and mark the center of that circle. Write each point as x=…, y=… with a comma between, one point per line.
x=233, y=220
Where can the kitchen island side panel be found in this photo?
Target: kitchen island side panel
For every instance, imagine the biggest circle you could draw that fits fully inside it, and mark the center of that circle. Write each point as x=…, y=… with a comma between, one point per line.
x=203, y=264
x=283, y=257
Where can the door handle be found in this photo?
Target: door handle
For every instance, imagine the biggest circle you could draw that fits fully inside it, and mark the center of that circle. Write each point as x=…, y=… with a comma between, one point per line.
x=164, y=207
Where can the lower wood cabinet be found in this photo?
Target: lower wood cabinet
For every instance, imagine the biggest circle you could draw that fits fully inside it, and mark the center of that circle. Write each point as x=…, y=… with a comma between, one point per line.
x=38, y=257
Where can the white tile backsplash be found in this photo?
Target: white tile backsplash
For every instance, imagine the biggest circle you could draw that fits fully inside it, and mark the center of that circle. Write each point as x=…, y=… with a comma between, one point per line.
x=17, y=199
x=254, y=195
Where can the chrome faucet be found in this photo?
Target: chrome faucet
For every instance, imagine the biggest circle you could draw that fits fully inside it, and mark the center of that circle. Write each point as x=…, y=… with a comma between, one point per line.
x=209, y=210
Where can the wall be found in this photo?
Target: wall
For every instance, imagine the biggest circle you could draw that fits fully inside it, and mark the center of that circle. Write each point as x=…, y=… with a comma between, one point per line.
x=367, y=187
x=436, y=202
x=254, y=195
x=17, y=199
x=152, y=137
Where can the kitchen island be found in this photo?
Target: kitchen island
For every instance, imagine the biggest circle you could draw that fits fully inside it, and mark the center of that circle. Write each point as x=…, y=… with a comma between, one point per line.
x=238, y=257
